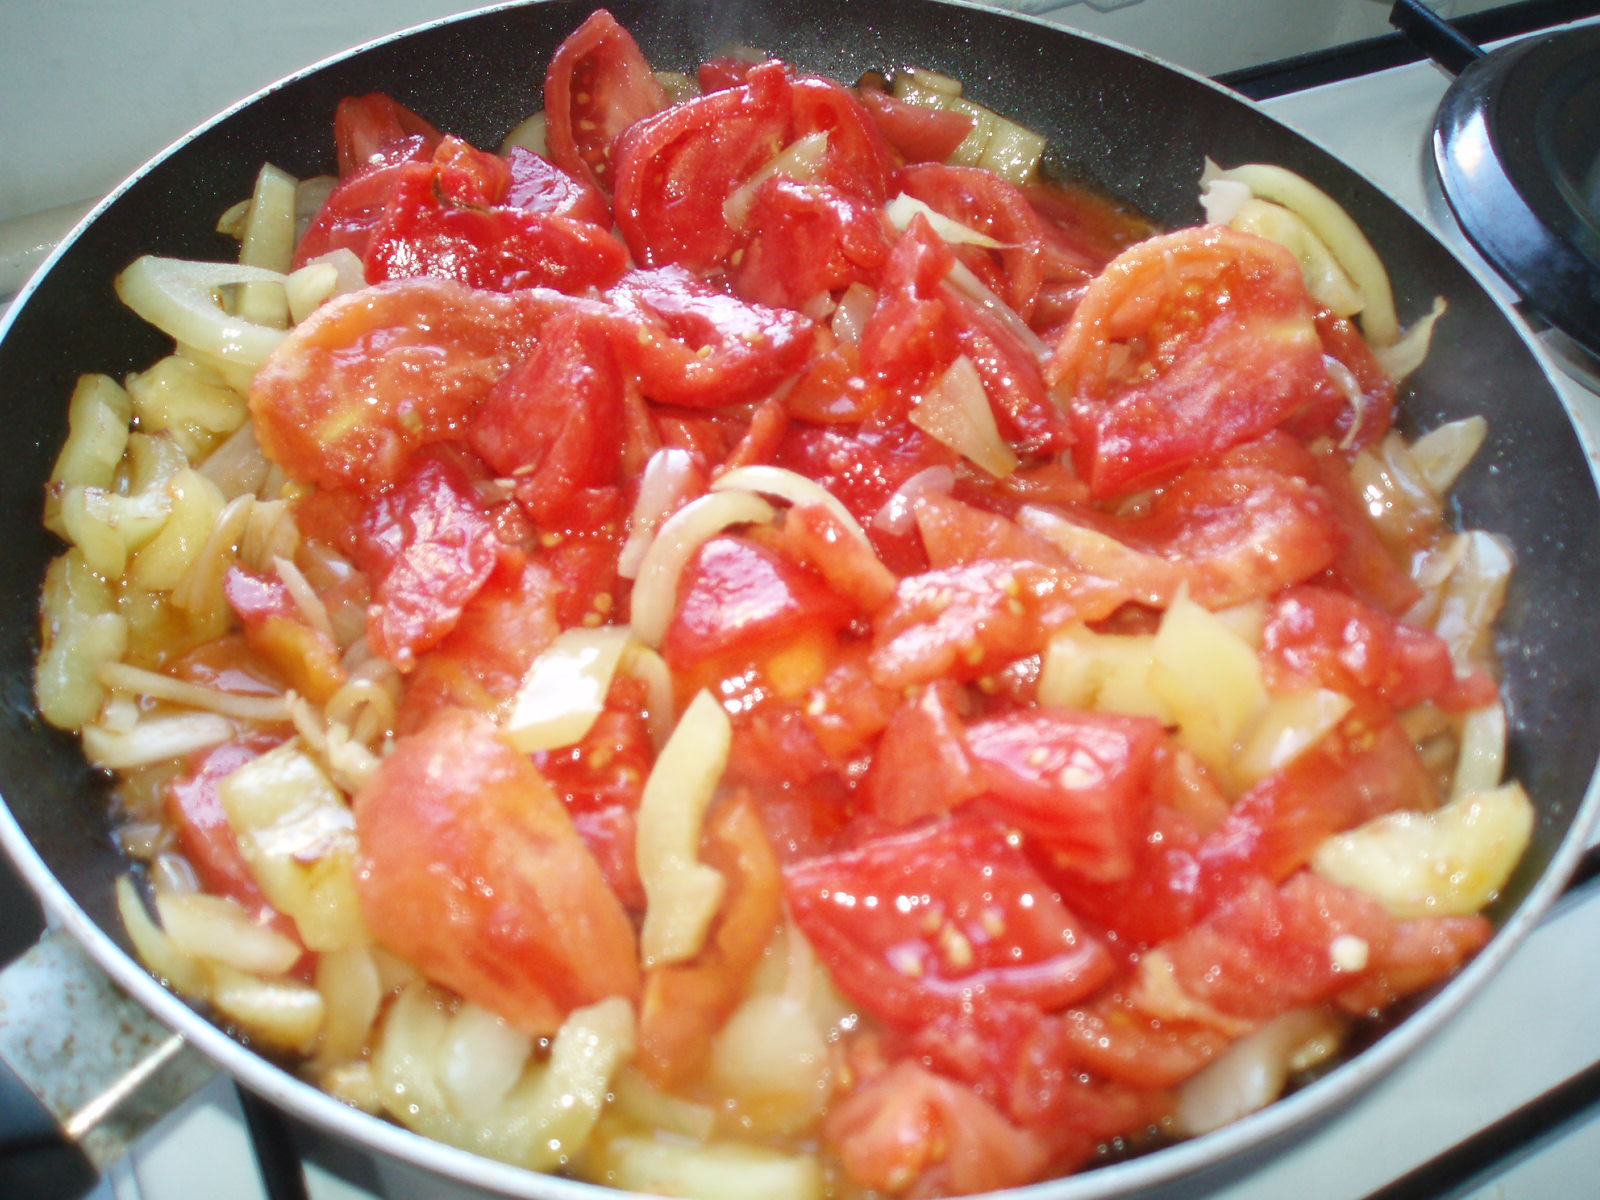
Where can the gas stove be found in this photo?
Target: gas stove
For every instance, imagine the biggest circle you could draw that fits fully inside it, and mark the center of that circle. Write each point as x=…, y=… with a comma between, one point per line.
x=1503, y=1102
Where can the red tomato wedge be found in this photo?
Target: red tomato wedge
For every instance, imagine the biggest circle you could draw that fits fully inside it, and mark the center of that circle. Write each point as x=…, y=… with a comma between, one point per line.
x=355, y=207
x=804, y=240
x=373, y=375
x=941, y=920
x=307, y=658
x=428, y=545
x=471, y=869
x=539, y=185
x=598, y=84
x=1187, y=343
x=984, y=202
x=918, y=133
x=365, y=127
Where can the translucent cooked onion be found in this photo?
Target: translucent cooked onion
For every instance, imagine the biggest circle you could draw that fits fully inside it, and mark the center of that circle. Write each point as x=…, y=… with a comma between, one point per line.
x=897, y=514
x=178, y=297
x=220, y=930
x=793, y=487
x=268, y=241
x=1444, y=451
x=799, y=161
x=964, y=281
x=333, y=274
x=480, y=1061
x=1341, y=235
x=1251, y=1074
x=280, y=1013
x=903, y=209
x=153, y=739
x=1407, y=354
x=955, y=410
x=565, y=689
x=668, y=477
x=709, y=1171
x=680, y=535
x=154, y=948
x=851, y=314
x=683, y=893
x=122, y=677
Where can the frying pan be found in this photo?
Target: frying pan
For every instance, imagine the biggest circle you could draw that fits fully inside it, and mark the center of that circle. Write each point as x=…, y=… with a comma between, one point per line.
x=1139, y=126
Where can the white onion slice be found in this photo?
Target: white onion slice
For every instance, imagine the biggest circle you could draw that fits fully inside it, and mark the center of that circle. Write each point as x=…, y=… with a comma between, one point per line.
x=1222, y=198
x=1338, y=232
x=1250, y=1075
x=903, y=209
x=1406, y=355
x=178, y=298
x=898, y=512
x=682, y=892
x=656, y=589
x=793, y=487
x=964, y=281
x=220, y=930
x=565, y=689
x=956, y=411
x=799, y=161
x=851, y=314
x=667, y=478
x=1444, y=452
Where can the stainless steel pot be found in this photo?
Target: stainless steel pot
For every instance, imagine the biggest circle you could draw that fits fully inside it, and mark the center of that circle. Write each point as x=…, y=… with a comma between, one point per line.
x=1139, y=126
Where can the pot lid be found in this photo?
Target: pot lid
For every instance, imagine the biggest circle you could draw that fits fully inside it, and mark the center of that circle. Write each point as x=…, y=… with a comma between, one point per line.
x=1517, y=146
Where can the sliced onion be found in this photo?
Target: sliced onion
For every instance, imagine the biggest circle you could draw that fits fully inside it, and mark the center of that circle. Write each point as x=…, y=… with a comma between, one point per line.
x=565, y=689
x=329, y=275
x=964, y=281
x=851, y=314
x=126, y=678
x=1325, y=279
x=154, y=739
x=1341, y=235
x=1481, y=761
x=956, y=411
x=1407, y=354
x=220, y=930
x=1221, y=198
x=1444, y=452
x=799, y=161
x=1250, y=1075
x=656, y=591
x=668, y=476
x=268, y=241
x=529, y=134
x=178, y=297
x=683, y=893
x=793, y=487
x=898, y=512
x=480, y=1061
x=155, y=949
x=278, y=1012
x=903, y=209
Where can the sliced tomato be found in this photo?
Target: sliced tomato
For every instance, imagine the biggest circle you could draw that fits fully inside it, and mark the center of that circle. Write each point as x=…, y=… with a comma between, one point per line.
x=739, y=601
x=968, y=621
x=918, y=133
x=676, y=170
x=955, y=533
x=856, y=161
x=944, y=919
x=693, y=345
x=1317, y=636
x=494, y=247
x=804, y=240
x=683, y=1001
x=1366, y=565
x=910, y=1132
x=1417, y=954
x=1115, y=1040
x=921, y=766
x=598, y=84
x=339, y=403
x=1076, y=784
x=1358, y=411
x=539, y=185
x=550, y=422
x=1187, y=344
x=723, y=71
x=481, y=661
x=1027, y=415
x=910, y=339
x=471, y=870
x=365, y=127
x=355, y=207
x=816, y=537
x=833, y=391
x=983, y=201
x=428, y=546
x=306, y=658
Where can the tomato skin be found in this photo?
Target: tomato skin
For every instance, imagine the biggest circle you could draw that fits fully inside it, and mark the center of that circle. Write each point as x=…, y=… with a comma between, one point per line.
x=355, y=207
x=550, y=421
x=909, y=339
x=915, y=132
x=675, y=170
x=471, y=869
x=364, y=127
x=538, y=185
x=693, y=345
x=339, y=402
x=429, y=547
x=857, y=158
x=1076, y=784
x=598, y=83
x=910, y=931
x=1160, y=377
x=495, y=247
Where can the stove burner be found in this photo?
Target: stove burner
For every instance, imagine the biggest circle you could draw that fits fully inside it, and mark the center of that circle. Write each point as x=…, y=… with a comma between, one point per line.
x=1517, y=147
